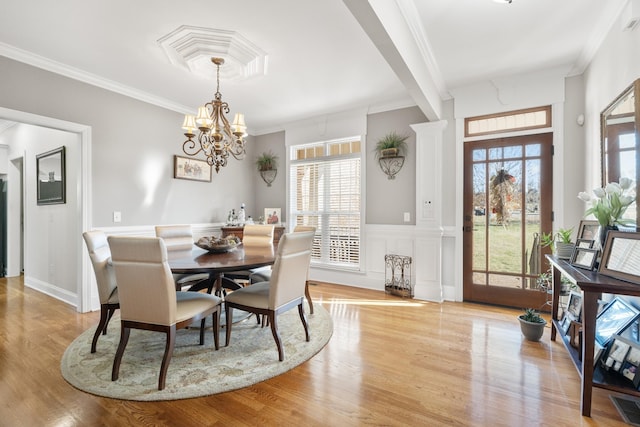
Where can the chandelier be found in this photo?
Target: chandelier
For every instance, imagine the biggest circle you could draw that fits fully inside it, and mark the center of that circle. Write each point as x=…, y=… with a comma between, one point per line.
x=217, y=138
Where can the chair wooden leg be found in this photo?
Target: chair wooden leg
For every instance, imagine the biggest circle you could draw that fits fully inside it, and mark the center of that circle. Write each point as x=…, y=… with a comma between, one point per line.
x=112, y=310
x=304, y=321
x=168, y=353
x=228, y=312
x=308, y=295
x=124, y=338
x=202, y=322
x=102, y=327
x=216, y=328
x=276, y=334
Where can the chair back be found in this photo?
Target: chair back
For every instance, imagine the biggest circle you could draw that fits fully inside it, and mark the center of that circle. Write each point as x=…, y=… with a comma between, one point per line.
x=100, y=255
x=176, y=237
x=145, y=283
x=289, y=273
x=257, y=235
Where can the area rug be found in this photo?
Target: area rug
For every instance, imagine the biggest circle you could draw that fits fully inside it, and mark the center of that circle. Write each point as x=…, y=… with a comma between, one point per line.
x=194, y=370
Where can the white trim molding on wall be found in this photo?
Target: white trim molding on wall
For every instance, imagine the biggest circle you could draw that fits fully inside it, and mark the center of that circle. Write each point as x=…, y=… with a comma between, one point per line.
x=423, y=245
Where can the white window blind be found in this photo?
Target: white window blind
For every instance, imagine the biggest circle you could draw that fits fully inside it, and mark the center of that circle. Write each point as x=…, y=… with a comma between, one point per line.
x=325, y=188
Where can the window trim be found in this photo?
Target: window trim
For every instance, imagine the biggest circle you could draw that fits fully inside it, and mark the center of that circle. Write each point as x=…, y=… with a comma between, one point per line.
x=291, y=217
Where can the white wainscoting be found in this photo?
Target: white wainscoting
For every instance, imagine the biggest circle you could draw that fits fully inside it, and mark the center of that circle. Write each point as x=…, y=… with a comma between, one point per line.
x=424, y=245
x=432, y=251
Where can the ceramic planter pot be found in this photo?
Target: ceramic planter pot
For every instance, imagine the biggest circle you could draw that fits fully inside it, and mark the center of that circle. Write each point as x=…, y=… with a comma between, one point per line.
x=532, y=331
x=564, y=250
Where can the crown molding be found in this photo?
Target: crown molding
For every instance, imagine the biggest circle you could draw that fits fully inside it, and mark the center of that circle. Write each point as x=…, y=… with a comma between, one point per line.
x=50, y=65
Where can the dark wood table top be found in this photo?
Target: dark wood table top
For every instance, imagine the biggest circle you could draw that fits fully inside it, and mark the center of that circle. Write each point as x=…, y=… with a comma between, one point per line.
x=240, y=258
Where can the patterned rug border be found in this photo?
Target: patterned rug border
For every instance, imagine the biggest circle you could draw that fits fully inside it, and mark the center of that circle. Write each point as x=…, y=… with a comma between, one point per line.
x=195, y=370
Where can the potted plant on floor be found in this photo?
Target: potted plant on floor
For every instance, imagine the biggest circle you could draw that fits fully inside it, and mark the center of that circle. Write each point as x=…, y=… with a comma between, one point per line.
x=560, y=242
x=532, y=324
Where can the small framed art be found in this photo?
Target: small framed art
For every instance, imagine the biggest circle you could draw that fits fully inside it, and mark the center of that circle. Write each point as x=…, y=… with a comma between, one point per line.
x=574, y=307
x=584, y=243
x=584, y=258
x=615, y=317
x=588, y=229
x=192, y=169
x=272, y=216
x=51, y=185
x=621, y=256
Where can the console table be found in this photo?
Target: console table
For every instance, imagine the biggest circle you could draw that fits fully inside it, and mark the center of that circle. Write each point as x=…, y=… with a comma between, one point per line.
x=593, y=285
x=237, y=230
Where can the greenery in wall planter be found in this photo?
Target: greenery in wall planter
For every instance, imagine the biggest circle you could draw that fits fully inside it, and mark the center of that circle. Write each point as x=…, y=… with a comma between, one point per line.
x=391, y=145
x=267, y=161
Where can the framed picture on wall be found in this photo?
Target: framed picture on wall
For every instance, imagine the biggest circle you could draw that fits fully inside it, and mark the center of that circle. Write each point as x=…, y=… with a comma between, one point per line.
x=193, y=169
x=50, y=170
x=272, y=216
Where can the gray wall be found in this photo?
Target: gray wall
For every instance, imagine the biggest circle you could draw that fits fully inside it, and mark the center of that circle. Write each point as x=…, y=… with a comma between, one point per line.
x=388, y=199
x=133, y=144
x=48, y=230
x=274, y=196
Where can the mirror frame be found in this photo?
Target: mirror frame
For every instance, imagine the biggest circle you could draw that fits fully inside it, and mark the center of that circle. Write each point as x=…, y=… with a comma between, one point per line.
x=606, y=253
x=635, y=89
x=59, y=195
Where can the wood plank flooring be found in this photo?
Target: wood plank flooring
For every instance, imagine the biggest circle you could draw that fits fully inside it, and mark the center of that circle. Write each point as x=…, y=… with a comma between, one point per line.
x=390, y=362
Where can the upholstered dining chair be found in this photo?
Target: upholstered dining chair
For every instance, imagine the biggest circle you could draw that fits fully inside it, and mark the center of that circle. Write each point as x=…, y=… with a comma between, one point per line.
x=180, y=238
x=264, y=275
x=149, y=301
x=283, y=292
x=253, y=235
x=100, y=255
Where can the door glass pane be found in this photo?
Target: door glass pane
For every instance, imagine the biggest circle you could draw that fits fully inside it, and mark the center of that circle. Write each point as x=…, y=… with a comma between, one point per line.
x=479, y=216
x=512, y=152
x=479, y=278
x=505, y=281
x=532, y=217
x=505, y=242
x=479, y=154
x=533, y=150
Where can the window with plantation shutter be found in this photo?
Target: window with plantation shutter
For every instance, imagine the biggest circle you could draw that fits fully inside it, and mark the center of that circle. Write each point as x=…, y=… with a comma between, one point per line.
x=325, y=188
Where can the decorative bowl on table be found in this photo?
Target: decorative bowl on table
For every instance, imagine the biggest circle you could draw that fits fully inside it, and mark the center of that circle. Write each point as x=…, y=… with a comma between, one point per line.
x=218, y=245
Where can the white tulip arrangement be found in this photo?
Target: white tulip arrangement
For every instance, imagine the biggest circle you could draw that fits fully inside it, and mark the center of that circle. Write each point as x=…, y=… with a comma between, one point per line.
x=611, y=202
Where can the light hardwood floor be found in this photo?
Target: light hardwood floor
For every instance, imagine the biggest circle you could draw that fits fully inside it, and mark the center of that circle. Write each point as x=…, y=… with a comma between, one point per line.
x=390, y=362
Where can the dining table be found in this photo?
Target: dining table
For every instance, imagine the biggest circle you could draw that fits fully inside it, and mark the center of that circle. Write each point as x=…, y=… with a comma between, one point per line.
x=216, y=264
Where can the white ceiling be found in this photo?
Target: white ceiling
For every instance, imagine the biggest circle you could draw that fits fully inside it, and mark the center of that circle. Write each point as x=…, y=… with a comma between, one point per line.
x=320, y=59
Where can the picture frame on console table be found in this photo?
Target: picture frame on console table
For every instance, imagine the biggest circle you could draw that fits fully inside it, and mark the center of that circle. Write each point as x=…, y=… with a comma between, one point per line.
x=621, y=256
x=584, y=258
x=588, y=229
x=613, y=318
